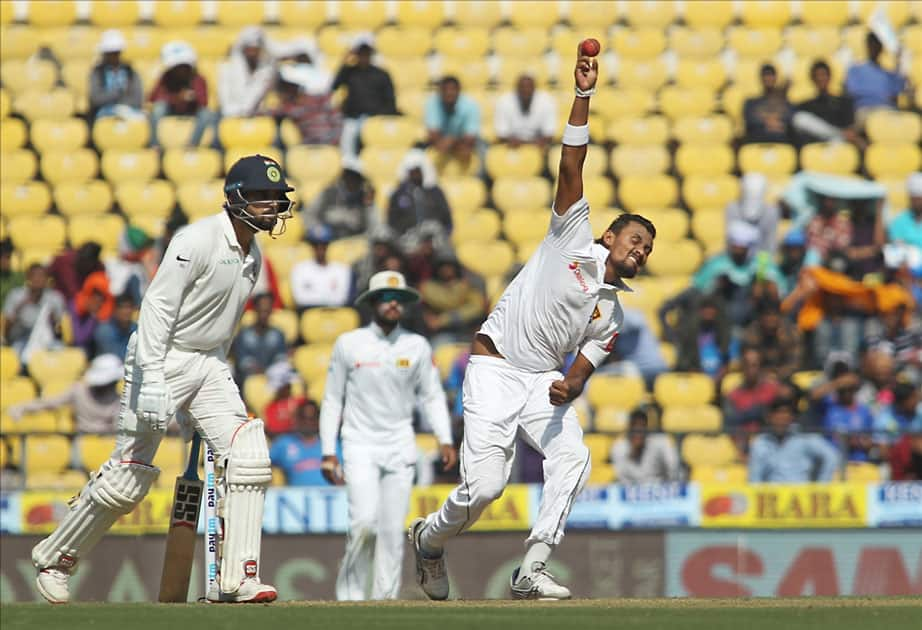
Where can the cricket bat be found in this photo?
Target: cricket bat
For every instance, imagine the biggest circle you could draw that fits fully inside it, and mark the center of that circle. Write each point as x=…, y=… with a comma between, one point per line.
x=180, y=540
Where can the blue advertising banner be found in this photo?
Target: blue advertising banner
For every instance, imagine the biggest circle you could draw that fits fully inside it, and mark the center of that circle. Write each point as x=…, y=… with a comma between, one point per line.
x=896, y=504
x=10, y=513
x=635, y=506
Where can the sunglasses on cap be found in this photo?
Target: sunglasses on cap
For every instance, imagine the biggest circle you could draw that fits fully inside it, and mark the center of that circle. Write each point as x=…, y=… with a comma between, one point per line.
x=393, y=296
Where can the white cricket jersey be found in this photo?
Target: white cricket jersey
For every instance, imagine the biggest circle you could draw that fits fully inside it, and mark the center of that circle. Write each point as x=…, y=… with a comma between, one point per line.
x=559, y=301
x=313, y=284
x=199, y=292
x=373, y=384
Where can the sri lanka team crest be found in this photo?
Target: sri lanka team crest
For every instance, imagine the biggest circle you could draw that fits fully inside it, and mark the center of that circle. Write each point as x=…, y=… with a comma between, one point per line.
x=595, y=314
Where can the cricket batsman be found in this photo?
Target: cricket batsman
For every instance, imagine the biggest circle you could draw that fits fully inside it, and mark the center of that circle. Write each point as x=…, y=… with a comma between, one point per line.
x=176, y=365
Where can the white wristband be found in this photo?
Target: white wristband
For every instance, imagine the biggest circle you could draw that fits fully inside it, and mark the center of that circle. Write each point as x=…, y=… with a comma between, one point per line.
x=574, y=136
x=584, y=93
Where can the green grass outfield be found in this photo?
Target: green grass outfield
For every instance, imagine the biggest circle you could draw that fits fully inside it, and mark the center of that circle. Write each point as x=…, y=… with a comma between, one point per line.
x=850, y=613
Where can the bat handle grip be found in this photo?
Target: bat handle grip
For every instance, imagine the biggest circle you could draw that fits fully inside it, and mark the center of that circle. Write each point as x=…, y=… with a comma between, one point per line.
x=192, y=467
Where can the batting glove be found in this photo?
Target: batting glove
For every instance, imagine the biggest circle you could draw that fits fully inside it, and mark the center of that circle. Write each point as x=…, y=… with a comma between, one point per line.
x=155, y=405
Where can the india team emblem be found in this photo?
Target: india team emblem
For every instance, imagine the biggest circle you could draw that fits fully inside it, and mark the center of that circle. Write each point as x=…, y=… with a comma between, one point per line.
x=595, y=314
x=273, y=174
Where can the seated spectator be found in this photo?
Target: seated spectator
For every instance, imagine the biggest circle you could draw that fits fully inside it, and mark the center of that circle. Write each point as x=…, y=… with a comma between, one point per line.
x=794, y=257
x=865, y=251
x=297, y=453
x=382, y=243
x=845, y=421
x=768, y=117
x=319, y=282
x=369, y=92
x=754, y=209
x=306, y=59
x=452, y=305
x=429, y=238
x=644, y=457
x=782, y=455
x=281, y=412
x=95, y=401
x=870, y=85
x=526, y=116
x=111, y=337
x=247, y=75
x=896, y=419
x=259, y=345
x=70, y=269
x=702, y=335
x=115, y=88
x=906, y=455
x=897, y=331
x=776, y=339
x=748, y=403
x=830, y=229
x=306, y=102
x=346, y=206
x=92, y=306
x=32, y=314
x=132, y=271
x=637, y=352
x=824, y=117
x=417, y=200
x=453, y=123
x=180, y=91
x=9, y=278
x=906, y=227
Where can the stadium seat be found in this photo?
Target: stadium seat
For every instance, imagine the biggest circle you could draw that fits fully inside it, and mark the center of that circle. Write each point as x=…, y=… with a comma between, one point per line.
x=114, y=13
x=348, y=250
x=701, y=73
x=898, y=11
x=810, y=42
x=155, y=198
x=892, y=127
x=313, y=162
x=46, y=453
x=140, y=165
x=246, y=132
x=9, y=364
x=520, y=42
x=173, y=132
x=66, y=364
x=13, y=134
x=705, y=450
x=711, y=129
x=427, y=15
x=198, y=199
x=683, y=388
x=362, y=14
x=680, y=102
x=642, y=43
x=692, y=418
x=641, y=193
x=233, y=154
x=125, y=135
x=599, y=191
x=696, y=43
x=398, y=132
x=704, y=159
x=143, y=44
x=487, y=259
x=765, y=13
x=18, y=42
x=710, y=228
x=480, y=225
x=27, y=199
x=105, y=229
x=479, y=14
x=835, y=158
x=644, y=130
x=17, y=390
x=533, y=15
x=633, y=160
x=614, y=105
x=715, y=14
x=75, y=166
x=610, y=419
x=10, y=447
x=37, y=232
x=95, y=450
x=403, y=44
x=32, y=75
x=734, y=474
x=828, y=14
x=599, y=445
x=184, y=13
x=647, y=74
x=382, y=163
x=607, y=390
x=324, y=325
x=257, y=394
x=525, y=226
x=446, y=355
x=92, y=197
x=862, y=472
x=702, y=193
x=462, y=43
x=240, y=13
x=768, y=159
x=510, y=193
x=754, y=43
x=683, y=259
x=59, y=135
x=312, y=360
x=524, y=161
x=648, y=13
x=671, y=225
x=17, y=167
x=892, y=160
x=191, y=165
x=301, y=15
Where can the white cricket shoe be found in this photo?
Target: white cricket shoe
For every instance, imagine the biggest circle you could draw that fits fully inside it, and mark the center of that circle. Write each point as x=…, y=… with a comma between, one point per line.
x=251, y=591
x=52, y=584
x=430, y=572
x=540, y=584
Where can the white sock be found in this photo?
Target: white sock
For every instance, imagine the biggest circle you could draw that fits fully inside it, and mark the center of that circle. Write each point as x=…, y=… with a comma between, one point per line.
x=537, y=552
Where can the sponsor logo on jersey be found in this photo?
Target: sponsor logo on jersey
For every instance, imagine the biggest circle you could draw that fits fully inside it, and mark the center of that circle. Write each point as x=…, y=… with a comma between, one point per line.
x=595, y=314
x=574, y=267
x=403, y=362
x=249, y=568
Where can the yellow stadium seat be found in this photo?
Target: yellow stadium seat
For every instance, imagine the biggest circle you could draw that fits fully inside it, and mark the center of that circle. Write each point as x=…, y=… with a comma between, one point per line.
x=243, y=132
x=312, y=360
x=683, y=259
x=599, y=445
x=649, y=13
x=912, y=39
x=75, y=166
x=614, y=105
x=324, y=325
x=27, y=199
x=633, y=160
x=710, y=228
x=696, y=43
x=596, y=160
x=7, y=14
x=479, y=14
x=143, y=44
x=698, y=418
x=173, y=132
x=519, y=42
x=9, y=364
x=647, y=74
x=446, y=355
x=711, y=129
x=683, y=389
x=462, y=43
x=10, y=446
x=524, y=227
x=69, y=481
x=862, y=472
x=301, y=14
x=382, y=163
x=18, y=42
x=231, y=155
x=17, y=390
x=704, y=159
x=755, y=43
x=641, y=43
x=813, y=41
x=602, y=474
x=765, y=13
x=708, y=13
x=155, y=198
x=642, y=193
x=610, y=419
x=599, y=218
x=473, y=74
x=198, y=199
x=524, y=161
x=702, y=193
x=487, y=259
x=480, y=225
x=59, y=135
x=671, y=224
x=114, y=13
x=836, y=158
x=37, y=232
x=130, y=166
x=390, y=132
x=240, y=13
x=92, y=197
x=95, y=450
x=124, y=135
x=508, y=71
x=105, y=229
x=409, y=72
x=348, y=250
x=897, y=195
x=705, y=450
x=598, y=191
x=74, y=47
x=464, y=193
x=56, y=104
x=893, y=127
x=679, y=102
x=313, y=162
x=32, y=75
x=335, y=42
x=734, y=474
x=830, y=13
x=700, y=73
x=191, y=165
x=180, y=13
x=66, y=364
x=892, y=160
x=402, y=42
x=427, y=15
x=362, y=14
x=607, y=390
x=510, y=193
x=257, y=393
x=46, y=453
x=898, y=11
x=17, y=167
x=533, y=15
x=5, y=106
x=768, y=159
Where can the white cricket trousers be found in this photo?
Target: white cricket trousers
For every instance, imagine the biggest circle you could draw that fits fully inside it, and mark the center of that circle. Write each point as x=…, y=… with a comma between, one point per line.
x=378, y=483
x=499, y=401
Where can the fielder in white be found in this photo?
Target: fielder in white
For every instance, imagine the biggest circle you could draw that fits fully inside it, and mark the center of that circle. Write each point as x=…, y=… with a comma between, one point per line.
x=377, y=375
x=563, y=300
x=177, y=365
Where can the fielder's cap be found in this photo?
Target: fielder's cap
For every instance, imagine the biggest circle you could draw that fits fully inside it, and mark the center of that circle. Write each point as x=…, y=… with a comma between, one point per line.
x=256, y=172
x=104, y=369
x=251, y=36
x=363, y=40
x=177, y=53
x=320, y=233
x=742, y=234
x=389, y=282
x=914, y=184
x=111, y=41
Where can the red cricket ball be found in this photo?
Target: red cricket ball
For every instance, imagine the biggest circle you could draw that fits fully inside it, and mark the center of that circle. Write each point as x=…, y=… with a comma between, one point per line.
x=590, y=47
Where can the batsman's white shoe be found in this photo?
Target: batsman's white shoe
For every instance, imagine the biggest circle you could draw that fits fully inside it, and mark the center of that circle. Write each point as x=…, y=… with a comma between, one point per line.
x=540, y=584
x=251, y=591
x=52, y=584
x=430, y=572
